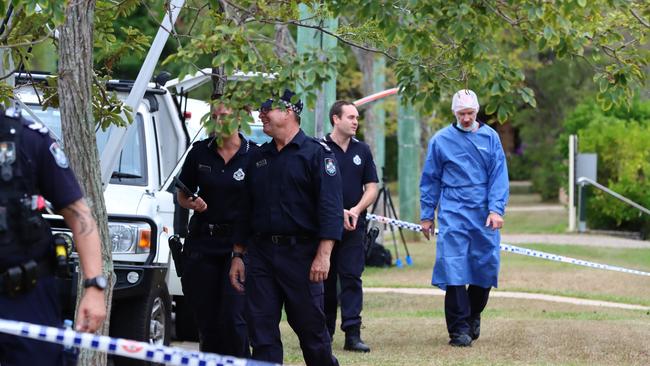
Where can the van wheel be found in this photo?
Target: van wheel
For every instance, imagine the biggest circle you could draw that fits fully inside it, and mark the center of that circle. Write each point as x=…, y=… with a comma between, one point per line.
x=147, y=320
x=185, y=325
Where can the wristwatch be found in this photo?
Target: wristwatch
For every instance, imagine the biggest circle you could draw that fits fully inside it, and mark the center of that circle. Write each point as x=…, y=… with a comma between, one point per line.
x=237, y=255
x=99, y=282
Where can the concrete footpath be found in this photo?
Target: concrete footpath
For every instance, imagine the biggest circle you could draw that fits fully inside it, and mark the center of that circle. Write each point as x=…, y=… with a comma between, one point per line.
x=510, y=295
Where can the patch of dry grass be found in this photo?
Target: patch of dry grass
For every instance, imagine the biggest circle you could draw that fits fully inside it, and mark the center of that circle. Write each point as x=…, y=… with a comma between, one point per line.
x=410, y=330
x=527, y=274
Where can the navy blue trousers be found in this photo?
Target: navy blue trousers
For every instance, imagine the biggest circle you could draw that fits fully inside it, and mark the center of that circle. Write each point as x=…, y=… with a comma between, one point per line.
x=218, y=308
x=463, y=304
x=347, y=264
x=39, y=306
x=277, y=276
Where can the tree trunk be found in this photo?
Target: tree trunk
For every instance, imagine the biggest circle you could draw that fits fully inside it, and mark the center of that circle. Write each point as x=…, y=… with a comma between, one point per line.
x=75, y=96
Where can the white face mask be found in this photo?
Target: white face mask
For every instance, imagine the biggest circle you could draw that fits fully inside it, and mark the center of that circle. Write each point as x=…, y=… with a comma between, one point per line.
x=468, y=129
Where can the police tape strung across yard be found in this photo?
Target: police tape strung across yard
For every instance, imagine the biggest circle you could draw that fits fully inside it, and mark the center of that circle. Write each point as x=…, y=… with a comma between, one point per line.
x=515, y=249
x=122, y=347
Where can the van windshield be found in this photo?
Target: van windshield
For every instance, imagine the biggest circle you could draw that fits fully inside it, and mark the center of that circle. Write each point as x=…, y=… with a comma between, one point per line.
x=131, y=168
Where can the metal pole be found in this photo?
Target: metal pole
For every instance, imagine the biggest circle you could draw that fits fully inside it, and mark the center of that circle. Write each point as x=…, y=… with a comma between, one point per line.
x=585, y=180
x=118, y=135
x=582, y=208
x=572, y=183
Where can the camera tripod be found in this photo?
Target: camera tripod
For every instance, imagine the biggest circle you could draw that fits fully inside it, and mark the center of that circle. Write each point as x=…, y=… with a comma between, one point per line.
x=389, y=211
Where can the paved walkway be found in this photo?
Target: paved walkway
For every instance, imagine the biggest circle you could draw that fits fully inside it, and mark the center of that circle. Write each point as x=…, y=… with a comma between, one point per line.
x=576, y=239
x=535, y=208
x=511, y=295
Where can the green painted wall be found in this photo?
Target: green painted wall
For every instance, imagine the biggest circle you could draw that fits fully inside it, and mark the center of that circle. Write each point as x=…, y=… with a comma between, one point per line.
x=408, y=169
x=380, y=116
x=315, y=120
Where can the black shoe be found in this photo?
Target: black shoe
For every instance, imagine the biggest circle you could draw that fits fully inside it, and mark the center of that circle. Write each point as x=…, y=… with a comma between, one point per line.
x=475, y=328
x=460, y=340
x=353, y=340
x=355, y=344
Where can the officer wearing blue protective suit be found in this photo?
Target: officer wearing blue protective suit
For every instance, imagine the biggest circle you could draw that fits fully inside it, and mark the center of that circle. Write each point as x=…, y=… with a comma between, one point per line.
x=465, y=177
x=295, y=214
x=33, y=166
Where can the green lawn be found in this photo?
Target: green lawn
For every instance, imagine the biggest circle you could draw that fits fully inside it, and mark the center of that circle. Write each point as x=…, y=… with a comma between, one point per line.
x=529, y=274
x=535, y=222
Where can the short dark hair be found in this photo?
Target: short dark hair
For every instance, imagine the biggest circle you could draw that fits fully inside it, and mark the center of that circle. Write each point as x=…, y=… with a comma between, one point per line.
x=337, y=109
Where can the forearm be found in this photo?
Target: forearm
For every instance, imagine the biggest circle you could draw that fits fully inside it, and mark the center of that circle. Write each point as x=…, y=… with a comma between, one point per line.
x=325, y=248
x=86, y=236
x=369, y=196
x=183, y=200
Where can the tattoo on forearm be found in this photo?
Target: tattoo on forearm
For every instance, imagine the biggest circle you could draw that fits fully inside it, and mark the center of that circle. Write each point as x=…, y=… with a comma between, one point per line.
x=81, y=214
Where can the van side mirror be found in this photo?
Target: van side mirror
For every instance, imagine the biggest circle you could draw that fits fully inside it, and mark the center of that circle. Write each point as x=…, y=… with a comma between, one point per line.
x=162, y=78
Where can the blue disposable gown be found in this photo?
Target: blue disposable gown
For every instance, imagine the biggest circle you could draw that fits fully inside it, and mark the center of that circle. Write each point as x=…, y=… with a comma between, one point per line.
x=465, y=176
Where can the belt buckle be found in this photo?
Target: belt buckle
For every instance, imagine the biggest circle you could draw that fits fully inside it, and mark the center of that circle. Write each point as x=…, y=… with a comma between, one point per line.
x=275, y=239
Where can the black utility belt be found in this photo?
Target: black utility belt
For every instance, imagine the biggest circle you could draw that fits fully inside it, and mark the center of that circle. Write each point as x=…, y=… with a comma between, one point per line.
x=285, y=239
x=198, y=254
x=23, y=277
x=223, y=230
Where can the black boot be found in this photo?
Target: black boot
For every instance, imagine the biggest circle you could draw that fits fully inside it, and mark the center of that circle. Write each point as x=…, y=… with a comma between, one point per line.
x=353, y=340
x=460, y=340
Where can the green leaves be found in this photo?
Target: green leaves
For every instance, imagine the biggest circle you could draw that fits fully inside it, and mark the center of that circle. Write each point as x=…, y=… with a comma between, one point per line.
x=437, y=46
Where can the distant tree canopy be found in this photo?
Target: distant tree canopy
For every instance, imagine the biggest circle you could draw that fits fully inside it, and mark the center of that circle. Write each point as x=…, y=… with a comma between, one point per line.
x=433, y=47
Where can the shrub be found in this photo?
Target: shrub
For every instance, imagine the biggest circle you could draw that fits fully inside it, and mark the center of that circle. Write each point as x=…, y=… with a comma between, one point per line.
x=621, y=138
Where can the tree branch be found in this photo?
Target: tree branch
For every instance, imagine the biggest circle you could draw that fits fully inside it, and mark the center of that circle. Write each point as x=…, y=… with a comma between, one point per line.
x=639, y=18
x=321, y=29
x=31, y=43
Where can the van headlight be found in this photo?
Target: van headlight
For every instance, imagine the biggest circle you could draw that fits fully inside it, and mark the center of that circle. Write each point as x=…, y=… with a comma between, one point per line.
x=129, y=237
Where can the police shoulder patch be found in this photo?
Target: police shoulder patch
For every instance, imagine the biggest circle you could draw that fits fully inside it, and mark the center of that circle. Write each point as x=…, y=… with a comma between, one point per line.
x=323, y=144
x=330, y=166
x=59, y=156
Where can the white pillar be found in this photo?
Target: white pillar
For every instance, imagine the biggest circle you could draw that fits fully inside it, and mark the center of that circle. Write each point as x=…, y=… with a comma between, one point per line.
x=572, y=182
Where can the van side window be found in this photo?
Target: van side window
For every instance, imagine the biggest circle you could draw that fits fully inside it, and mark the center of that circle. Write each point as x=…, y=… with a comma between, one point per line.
x=131, y=166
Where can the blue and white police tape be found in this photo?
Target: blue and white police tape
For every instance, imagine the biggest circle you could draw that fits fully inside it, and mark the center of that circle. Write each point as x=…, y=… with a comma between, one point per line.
x=517, y=250
x=122, y=347
x=563, y=259
x=394, y=222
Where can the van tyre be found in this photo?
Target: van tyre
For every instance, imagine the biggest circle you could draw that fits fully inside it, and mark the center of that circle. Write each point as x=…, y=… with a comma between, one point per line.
x=143, y=319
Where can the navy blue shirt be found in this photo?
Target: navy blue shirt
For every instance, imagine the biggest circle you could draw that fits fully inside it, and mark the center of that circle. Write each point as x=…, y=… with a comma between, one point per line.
x=222, y=186
x=44, y=164
x=219, y=184
x=357, y=169
x=49, y=167
x=295, y=191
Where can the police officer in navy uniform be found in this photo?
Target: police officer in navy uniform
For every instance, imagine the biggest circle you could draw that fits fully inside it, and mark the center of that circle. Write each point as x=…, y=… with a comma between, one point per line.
x=33, y=166
x=217, y=167
x=296, y=215
x=359, y=177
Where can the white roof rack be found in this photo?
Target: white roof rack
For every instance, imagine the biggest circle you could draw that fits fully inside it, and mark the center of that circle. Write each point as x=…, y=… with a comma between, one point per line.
x=191, y=82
